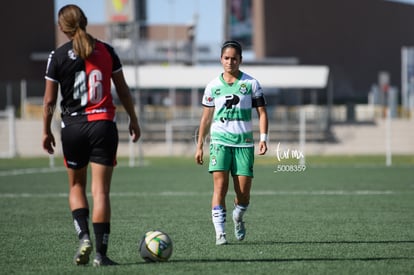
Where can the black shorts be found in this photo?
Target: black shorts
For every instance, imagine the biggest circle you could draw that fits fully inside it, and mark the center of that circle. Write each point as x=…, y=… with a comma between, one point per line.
x=95, y=141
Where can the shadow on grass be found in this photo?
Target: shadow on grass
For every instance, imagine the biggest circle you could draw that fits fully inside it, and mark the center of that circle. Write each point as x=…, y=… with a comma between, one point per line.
x=297, y=259
x=327, y=259
x=264, y=260
x=322, y=242
x=305, y=259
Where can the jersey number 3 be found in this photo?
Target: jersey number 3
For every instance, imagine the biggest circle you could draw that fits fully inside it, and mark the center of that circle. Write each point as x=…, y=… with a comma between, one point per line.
x=81, y=91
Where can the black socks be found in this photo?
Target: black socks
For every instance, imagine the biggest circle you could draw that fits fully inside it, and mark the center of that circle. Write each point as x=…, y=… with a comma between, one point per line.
x=101, y=231
x=81, y=221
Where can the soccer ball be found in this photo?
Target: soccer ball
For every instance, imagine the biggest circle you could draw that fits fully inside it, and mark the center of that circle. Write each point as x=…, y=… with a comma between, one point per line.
x=155, y=246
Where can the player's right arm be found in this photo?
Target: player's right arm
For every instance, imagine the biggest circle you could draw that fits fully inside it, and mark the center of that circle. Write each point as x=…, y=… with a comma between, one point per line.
x=124, y=96
x=205, y=123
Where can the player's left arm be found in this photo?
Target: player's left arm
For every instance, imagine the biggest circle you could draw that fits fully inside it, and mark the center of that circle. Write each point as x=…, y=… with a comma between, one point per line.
x=259, y=102
x=263, y=127
x=49, y=105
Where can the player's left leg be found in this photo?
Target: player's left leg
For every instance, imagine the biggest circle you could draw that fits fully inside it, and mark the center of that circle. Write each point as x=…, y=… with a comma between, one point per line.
x=242, y=186
x=78, y=204
x=242, y=172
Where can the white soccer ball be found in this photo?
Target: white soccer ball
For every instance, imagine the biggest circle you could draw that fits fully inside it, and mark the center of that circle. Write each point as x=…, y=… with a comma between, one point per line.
x=155, y=246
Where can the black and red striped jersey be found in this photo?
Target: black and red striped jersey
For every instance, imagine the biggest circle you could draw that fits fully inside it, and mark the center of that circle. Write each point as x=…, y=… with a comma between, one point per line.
x=85, y=84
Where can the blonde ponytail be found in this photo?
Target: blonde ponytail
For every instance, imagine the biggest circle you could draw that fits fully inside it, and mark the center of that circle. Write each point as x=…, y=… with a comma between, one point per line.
x=72, y=21
x=83, y=43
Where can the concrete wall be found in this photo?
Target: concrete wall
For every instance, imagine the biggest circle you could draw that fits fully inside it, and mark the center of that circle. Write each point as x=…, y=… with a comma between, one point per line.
x=350, y=140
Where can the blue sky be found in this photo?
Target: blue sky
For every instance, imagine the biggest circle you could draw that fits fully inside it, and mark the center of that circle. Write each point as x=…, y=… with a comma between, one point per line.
x=210, y=14
x=404, y=1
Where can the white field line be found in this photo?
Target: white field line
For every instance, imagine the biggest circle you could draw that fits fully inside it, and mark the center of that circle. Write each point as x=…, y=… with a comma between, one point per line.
x=28, y=171
x=192, y=194
x=18, y=172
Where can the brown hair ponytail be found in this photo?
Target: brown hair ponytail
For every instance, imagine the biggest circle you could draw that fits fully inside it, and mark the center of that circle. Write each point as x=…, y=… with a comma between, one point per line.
x=72, y=21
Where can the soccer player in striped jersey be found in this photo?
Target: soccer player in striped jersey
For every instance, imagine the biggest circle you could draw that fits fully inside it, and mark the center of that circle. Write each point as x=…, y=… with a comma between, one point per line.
x=84, y=68
x=227, y=102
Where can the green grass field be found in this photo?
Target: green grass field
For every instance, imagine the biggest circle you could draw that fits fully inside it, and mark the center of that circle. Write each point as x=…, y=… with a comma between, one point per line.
x=342, y=215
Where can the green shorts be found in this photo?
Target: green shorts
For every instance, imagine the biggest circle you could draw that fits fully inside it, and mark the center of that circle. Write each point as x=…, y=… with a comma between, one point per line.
x=238, y=160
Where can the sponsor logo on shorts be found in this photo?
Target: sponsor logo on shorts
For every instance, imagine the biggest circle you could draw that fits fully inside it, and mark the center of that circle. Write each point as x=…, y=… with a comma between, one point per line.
x=72, y=163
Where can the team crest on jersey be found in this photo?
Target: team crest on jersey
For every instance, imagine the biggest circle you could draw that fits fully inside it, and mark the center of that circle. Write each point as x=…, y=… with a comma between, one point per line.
x=72, y=54
x=243, y=89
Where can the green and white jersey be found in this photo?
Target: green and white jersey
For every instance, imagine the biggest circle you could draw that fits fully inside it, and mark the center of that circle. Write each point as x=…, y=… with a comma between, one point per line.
x=232, y=121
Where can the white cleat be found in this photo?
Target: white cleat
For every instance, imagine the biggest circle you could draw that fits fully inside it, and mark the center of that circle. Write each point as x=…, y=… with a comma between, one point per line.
x=221, y=239
x=239, y=230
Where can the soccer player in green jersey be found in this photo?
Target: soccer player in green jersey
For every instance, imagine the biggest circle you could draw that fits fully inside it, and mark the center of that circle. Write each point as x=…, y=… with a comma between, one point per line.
x=227, y=102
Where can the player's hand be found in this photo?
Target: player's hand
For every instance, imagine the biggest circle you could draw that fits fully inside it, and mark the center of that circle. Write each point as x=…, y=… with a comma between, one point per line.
x=49, y=143
x=199, y=156
x=262, y=147
x=134, y=131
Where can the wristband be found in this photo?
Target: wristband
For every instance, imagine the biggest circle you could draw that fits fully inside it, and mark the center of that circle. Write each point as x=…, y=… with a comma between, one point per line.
x=263, y=137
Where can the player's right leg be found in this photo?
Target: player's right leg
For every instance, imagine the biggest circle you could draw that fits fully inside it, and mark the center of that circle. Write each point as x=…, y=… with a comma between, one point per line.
x=104, y=142
x=219, y=166
x=101, y=181
x=218, y=205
